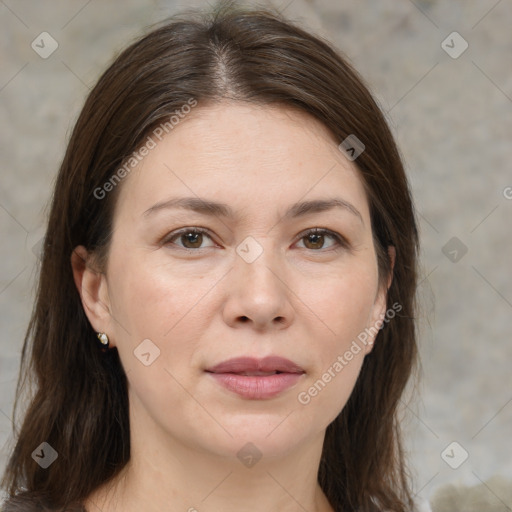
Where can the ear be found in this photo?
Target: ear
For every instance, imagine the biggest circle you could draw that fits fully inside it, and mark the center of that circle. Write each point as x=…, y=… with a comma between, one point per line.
x=378, y=312
x=93, y=289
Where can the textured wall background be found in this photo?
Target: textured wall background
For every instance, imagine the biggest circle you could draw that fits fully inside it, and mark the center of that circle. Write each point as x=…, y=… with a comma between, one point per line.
x=450, y=109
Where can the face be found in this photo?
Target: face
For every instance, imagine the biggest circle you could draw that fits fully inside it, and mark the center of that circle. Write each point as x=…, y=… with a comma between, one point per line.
x=186, y=289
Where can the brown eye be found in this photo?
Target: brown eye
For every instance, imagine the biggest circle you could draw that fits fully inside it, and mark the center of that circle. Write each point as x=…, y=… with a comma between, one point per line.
x=194, y=239
x=315, y=239
x=190, y=238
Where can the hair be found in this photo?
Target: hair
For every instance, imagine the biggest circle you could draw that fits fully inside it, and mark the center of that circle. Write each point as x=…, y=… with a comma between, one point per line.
x=79, y=401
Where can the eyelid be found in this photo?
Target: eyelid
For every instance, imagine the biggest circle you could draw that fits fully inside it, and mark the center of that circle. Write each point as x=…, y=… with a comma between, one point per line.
x=340, y=240
x=178, y=232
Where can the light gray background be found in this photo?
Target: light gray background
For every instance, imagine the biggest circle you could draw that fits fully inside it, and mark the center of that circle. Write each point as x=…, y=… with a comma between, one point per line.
x=452, y=119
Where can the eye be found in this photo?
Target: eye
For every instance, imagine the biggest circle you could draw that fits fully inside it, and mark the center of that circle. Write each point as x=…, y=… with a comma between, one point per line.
x=315, y=238
x=192, y=238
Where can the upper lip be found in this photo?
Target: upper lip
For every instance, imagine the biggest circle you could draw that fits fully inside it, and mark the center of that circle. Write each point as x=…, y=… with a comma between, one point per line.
x=251, y=364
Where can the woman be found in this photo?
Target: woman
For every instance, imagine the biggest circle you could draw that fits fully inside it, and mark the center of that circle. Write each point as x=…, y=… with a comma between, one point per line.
x=225, y=310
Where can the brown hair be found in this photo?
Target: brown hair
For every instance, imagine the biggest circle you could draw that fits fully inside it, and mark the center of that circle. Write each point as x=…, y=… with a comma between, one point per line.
x=80, y=403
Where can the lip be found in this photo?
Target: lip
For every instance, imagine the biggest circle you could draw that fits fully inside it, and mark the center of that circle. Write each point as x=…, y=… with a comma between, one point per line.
x=257, y=387
x=252, y=364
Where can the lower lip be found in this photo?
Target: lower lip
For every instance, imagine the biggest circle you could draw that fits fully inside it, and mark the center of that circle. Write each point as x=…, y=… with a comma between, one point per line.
x=257, y=387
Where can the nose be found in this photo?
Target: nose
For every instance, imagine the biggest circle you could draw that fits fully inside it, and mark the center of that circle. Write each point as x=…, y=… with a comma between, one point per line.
x=258, y=296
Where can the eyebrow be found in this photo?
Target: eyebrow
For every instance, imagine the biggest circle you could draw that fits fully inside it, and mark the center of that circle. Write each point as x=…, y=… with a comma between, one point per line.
x=206, y=207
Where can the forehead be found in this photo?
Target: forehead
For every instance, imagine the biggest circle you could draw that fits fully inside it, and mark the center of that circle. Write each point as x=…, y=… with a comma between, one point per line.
x=248, y=156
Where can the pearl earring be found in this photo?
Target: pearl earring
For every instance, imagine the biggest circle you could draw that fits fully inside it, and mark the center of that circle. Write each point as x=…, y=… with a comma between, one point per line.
x=103, y=339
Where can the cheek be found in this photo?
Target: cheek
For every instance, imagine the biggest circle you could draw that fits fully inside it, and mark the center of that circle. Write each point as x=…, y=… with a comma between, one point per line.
x=343, y=305
x=153, y=299
x=152, y=303
x=343, y=309
x=325, y=394
x=340, y=358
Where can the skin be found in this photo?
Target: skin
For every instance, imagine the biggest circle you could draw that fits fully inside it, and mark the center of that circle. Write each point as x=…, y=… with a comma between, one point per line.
x=302, y=299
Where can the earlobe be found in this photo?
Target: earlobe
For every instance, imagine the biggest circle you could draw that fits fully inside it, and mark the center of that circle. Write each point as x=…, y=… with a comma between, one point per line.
x=92, y=287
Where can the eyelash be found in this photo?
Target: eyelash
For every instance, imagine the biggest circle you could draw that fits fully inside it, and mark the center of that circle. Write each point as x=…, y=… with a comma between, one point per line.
x=339, y=239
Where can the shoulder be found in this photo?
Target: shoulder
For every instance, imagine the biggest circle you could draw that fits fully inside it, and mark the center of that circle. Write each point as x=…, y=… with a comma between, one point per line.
x=28, y=503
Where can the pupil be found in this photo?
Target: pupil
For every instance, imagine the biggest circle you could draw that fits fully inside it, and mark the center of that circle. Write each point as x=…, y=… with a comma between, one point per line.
x=194, y=236
x=316, y=238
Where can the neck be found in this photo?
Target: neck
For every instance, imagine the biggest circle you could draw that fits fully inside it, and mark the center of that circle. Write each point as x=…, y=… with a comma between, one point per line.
x=173, y=471
x=181, y=477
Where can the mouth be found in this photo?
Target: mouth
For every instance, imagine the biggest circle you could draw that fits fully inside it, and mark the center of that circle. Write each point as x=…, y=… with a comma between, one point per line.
x=253, y=374
x=257, y=379
x=254, y=367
